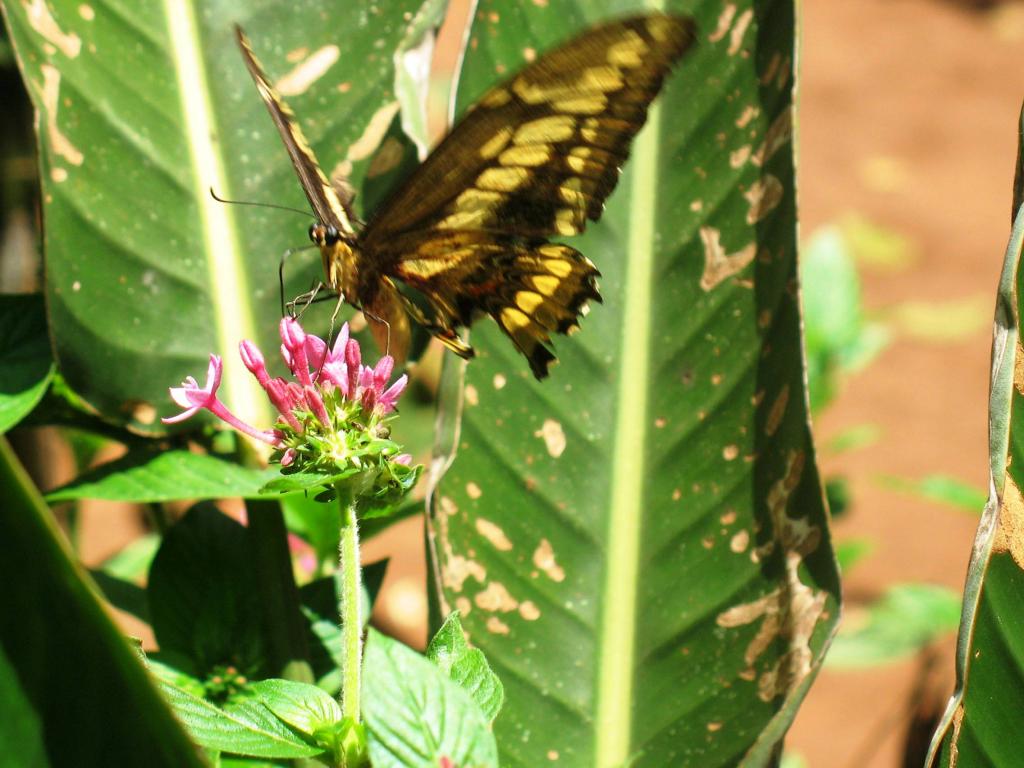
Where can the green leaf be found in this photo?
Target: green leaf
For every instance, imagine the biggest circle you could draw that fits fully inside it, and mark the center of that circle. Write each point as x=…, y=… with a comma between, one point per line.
x=133, y=561
x=201, y=596
x=942, y=488
x=140, y=116
x=849, y=552
x=466, y=666
x=837, y=337
x=981, y=723
x=244, y=729
x=153, y=475
x=905, y=620
x=639, y=544
x=303, y=706
x=85, y=690
x=26, y=363
x=416, y=715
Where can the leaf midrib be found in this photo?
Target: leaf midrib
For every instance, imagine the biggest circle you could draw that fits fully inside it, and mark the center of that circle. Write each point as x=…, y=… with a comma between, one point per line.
x=618, y=617
x=227, y=282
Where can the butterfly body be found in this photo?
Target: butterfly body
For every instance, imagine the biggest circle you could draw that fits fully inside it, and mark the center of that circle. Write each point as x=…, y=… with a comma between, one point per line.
x=469, y=231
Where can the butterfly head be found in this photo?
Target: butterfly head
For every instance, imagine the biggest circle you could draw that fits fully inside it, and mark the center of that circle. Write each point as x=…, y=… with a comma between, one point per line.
x=338, y=253
x=324, y=235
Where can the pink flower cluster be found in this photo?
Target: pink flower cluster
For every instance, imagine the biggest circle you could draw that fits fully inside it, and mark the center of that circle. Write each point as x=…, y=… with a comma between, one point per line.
x=320, y=372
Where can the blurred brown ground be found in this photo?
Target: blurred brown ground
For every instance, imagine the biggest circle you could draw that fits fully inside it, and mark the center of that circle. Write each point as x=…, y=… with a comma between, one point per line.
x=908, y=114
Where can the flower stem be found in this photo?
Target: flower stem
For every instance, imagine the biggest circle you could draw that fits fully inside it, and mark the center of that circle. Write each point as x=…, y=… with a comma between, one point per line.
x=351, y=608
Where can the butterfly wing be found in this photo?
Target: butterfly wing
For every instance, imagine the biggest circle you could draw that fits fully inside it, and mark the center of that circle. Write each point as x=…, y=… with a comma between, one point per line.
x=536, y=157
x=322, y=195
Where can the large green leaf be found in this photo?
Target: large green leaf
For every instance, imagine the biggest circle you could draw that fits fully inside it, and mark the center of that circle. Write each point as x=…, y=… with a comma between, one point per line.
x=143, y=109
x=639, y=544
x=981, y=725
x=70, y=682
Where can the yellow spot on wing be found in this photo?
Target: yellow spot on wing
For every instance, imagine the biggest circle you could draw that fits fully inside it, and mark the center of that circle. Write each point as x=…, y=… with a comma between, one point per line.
x=496, y=143
x=628, y=52
x=546, y=130
x=530, y=155
x=503, y=179
x=496, y=98
x=513, y=319
x=528, y=301
x=546, y=284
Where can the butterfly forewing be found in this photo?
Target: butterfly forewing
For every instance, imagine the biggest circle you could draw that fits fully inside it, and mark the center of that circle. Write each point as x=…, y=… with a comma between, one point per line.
x=538, y=154
x=322, y=196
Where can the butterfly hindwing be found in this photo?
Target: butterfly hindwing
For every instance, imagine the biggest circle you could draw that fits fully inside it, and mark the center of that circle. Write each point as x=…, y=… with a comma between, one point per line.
x=531, y=289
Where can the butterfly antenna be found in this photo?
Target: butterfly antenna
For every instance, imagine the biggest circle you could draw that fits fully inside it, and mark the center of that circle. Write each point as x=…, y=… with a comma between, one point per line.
x=220, y=199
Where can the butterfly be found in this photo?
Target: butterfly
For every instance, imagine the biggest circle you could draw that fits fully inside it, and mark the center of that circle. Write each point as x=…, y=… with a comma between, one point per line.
x=470, y=229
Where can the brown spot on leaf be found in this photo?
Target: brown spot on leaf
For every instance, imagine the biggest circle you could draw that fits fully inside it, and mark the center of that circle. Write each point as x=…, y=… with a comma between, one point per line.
x=496, y=626
x=495, y=598
x=553, y=436
x=778, y=410
x=1010, y=524
x=493, y=534
x=529, y=611
x=740, y=542
x=764, y=195
x=791, y=611
x=718, y=265
x=1018, y=367
x=544, y=559
x=51, y=97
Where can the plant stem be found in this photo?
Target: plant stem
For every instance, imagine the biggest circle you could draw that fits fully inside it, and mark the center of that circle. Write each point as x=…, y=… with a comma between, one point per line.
x=351, y=608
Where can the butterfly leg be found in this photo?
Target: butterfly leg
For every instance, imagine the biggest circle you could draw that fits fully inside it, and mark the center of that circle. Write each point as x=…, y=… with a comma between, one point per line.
x=305, y=299
x=280, y=274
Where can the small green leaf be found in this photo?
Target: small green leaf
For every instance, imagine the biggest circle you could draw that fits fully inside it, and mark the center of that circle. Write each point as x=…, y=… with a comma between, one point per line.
x=837, y=337
x=149, y=476
x=849, y=552
x=303, y=706
x=244, y=729
x=852, y=438
x=906, y=619
x=304, y=481
x=466, y=666
x=133, y=561
x=26, y=363
x=941, y=488
x=416, y=715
